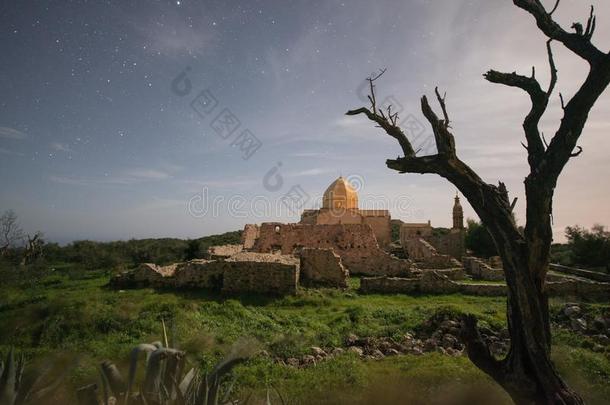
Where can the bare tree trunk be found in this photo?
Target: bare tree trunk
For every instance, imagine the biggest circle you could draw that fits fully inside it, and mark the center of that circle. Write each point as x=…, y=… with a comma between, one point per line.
x=526, y=373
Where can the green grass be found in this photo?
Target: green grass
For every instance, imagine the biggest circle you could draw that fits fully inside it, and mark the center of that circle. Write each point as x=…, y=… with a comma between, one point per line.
x=70, y=313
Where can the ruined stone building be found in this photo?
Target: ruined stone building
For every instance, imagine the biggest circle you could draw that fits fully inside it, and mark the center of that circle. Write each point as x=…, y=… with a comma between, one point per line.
x=332, y=243
x=360, y=237
x=445, y=241
x=340, y=206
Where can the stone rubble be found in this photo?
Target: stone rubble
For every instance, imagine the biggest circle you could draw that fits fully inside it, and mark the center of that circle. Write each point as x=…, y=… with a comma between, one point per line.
x=439, y=334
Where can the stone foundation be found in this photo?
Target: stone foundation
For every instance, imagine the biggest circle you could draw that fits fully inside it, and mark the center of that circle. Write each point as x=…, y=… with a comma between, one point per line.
x=434, y=282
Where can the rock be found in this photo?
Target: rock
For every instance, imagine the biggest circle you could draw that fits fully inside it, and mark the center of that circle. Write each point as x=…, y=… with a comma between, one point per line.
x=291, y=361
x=497, y=347
x=430, y=345
x=308, y=359
x=407, y=338
x=452, y=352
x=448, y=324
x=578, y=324
x=319, y=358
x=602, y=339
x=441, y=350
x=377, y=354
x=437, y=335
x=337, y=351
x=317, y=351
x=449, y=341
x=400, y=348
x=264, y=353
x=392, y=352
x=385, y=345
x=454, y=331
x=598, y=348
x=416, y=350
x=351, y=339
x=355, y=349
x=571, y=310
x=599, y=324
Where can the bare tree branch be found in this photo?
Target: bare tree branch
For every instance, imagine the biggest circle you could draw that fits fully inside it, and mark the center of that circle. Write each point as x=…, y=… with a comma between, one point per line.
x=555, y=7
x=579, y=43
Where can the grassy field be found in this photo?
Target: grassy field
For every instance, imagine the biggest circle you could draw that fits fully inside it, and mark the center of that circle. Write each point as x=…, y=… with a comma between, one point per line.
x=69, y=316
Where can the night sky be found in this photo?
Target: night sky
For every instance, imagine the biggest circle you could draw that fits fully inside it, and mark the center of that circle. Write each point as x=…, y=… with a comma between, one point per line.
x=101, y=138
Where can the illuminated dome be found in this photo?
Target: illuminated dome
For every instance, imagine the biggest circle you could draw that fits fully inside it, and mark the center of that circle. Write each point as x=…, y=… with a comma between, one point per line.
x=340, y=195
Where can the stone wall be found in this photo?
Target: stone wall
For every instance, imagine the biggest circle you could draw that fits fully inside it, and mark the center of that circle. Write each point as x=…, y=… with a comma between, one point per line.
x=593, y=275
x=355, y=243
x=249, y=236
x=322, y=267
x=480, y=270
x=452, y=243
x=242, y=273
x=439, y=262
x=199, y=274
x=223, y=251
x=260, y=277
x=378, y=220
x=153, y=275
x=418, y=249
x=435, y=283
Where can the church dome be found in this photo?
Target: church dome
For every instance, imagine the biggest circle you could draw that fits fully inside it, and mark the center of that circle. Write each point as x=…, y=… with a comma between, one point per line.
x=340, y=195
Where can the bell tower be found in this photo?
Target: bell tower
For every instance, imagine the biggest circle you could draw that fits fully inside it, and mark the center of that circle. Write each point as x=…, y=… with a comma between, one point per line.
x=458, y=214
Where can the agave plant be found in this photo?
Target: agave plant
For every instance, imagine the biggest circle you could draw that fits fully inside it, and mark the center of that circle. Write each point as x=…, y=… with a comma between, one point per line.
x=20, y=388
x=165, y=381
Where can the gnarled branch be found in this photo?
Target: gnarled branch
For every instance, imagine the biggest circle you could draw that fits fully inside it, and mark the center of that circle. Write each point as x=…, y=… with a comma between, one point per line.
x=579, y=43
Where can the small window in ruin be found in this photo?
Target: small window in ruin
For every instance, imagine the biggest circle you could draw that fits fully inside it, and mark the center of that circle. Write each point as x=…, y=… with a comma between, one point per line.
x=277, y=229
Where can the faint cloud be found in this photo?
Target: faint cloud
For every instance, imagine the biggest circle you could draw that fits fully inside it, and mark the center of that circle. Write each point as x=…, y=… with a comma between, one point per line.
x=10, y=152
x=146, y=174
x=70, y=180
x=11, y=133
x=311, y=172
x=61, y=147
x=127, y=177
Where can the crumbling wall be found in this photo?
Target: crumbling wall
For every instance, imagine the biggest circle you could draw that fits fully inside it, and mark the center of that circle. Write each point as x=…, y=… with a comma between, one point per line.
x=322, y=268
x=199, y=274
x=355, y=243
x=223, y=251
x=244, y=272
x=478, y=269
x=260, y=273
x=152, y=275
x=419, y=249
x=452, y=243
x=249, y=235
x=433, y=282
x=439, y=262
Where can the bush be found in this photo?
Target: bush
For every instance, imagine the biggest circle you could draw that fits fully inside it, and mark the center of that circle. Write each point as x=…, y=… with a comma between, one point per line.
x=589, y=248
x=478, y=240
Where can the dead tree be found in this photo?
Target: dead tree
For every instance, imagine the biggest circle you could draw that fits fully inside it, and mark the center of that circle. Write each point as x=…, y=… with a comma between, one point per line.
x=10, y=232
x=33, y=249
x=527, y=372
